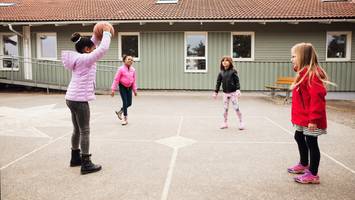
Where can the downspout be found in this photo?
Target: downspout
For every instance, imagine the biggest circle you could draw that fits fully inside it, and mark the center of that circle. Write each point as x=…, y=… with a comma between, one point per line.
x=12, y=29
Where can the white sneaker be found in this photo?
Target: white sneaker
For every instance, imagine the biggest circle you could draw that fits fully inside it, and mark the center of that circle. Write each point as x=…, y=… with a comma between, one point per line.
x=241, y=126
x=224, y=125
x=124, y=121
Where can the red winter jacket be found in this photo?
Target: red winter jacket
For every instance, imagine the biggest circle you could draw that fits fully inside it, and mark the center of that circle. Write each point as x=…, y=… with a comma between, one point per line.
x=308, y=102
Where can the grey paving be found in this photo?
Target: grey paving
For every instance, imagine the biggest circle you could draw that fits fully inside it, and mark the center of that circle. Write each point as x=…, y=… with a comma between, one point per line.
x=172, y=149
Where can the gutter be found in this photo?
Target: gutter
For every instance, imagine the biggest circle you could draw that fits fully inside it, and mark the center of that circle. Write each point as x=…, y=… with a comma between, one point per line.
x=142, y=22
x=11, y=29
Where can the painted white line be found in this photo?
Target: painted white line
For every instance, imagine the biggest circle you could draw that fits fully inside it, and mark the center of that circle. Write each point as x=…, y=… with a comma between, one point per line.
x=121, y=140
x=217, y=116
x=325, y=154
x=243, y=142
x=180, y=126
x=38, y=149
x=169, y=177
x=190, y=116
x=339, y=163
x=34, y=151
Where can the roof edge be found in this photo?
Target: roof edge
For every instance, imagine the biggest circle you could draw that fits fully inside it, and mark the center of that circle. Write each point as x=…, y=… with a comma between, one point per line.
x=88, y=22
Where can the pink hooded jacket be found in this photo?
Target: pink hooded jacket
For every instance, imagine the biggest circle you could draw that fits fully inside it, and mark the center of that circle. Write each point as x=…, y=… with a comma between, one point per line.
x=83, y=66
x=126, y=76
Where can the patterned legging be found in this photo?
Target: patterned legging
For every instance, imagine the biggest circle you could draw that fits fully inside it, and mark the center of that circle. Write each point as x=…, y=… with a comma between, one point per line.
x=234, y=98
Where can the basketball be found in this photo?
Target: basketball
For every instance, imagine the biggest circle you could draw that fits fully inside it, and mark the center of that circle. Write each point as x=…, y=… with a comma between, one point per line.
x=98, y=29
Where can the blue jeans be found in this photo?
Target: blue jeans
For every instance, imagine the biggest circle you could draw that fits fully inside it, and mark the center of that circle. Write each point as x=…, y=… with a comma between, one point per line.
x=126, y=96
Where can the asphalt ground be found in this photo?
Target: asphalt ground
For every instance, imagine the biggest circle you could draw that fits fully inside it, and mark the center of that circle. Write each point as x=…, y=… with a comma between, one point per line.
x=172, y=148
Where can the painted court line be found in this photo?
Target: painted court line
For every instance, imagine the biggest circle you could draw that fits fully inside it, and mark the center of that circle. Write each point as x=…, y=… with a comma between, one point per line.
x=34, y=151
x=122, y=140
x=323, y=153
x=169, y=177
x=38, y=149
x=243, y=142
x=180, y=126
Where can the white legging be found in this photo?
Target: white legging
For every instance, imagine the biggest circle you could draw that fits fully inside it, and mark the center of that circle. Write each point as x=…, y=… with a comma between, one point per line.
x=234, y=98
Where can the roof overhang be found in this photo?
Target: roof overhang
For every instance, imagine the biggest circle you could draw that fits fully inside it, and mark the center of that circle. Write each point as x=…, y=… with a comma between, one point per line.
x=142, y=22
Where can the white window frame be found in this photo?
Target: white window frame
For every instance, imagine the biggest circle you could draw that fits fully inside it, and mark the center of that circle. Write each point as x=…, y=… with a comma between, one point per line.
x=120, y=34
x=206, y=51
x=39, y=47
x=2, y=51
x=252, y=58
x=348, y=46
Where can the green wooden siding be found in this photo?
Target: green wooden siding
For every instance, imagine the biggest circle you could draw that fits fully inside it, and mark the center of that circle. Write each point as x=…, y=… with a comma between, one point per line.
x=161, y=64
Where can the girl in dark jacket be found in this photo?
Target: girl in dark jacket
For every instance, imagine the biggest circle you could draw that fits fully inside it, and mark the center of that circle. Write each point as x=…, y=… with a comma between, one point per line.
x=228, y=78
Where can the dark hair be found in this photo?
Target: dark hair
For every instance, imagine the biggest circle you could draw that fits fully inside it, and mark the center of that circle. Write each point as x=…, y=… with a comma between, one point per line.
x=124, y=57
x=230, y=60
x=81, y=42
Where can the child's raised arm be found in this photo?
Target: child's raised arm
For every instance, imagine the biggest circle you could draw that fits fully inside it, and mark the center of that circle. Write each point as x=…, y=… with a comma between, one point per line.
x=100, y=51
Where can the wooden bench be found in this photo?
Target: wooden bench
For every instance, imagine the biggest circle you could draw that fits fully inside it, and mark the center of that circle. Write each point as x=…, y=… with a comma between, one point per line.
x=282, y=84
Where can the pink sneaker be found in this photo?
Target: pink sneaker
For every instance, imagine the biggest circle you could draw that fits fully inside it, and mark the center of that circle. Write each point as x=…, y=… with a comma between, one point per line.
x=307, y=177
x=224, y=125
x=297, y=169
x=241, y=126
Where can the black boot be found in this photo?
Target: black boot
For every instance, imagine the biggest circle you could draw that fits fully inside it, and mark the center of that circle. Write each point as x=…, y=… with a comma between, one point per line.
x=75, y=158
x=87, y=166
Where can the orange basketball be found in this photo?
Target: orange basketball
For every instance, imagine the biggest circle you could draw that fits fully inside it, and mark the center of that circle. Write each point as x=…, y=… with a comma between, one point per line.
x=98, y=29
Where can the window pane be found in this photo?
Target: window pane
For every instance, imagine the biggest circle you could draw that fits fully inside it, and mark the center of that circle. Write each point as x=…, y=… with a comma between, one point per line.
x=241, y=46
x=48, y=46
x=10, y=63
x=196, y=45
x=130, y=45
x=10, y=51
x=336, y=45
x=195, y=64
x=11, y=45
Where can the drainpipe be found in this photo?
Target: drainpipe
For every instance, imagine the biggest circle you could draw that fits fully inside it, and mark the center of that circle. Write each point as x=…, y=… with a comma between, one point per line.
x=12, y=29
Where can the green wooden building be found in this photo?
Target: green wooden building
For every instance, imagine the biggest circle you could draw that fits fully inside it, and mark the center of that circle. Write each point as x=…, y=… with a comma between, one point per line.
x=178, y=44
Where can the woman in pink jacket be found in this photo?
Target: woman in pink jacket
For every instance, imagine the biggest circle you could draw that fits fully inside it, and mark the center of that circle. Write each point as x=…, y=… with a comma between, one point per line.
x=125, y=78
x=81, y=89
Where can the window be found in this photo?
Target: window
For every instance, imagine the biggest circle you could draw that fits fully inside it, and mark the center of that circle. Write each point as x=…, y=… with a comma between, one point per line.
x=195, y=52
x=243, y=46
x=129, y=44
x=9, y=52
x=47, y=46
x=338, y=46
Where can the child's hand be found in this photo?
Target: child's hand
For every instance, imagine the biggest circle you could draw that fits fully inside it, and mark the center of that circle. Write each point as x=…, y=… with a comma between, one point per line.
x=312, y=127
x=214, y=95
x=135, y=93
x=238, y=93
x=112, y=94
x=106, y=27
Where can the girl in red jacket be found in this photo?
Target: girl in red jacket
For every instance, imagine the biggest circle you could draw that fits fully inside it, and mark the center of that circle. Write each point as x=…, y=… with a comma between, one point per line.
x=308, y=110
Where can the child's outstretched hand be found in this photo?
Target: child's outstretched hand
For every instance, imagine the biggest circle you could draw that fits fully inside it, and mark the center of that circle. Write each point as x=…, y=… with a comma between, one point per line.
x=214, y=95
x=238, y=93
x=112, y=94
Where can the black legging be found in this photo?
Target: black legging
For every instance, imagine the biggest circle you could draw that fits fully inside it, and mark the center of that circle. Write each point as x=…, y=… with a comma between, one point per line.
x=126, y=96
x=310, y=143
